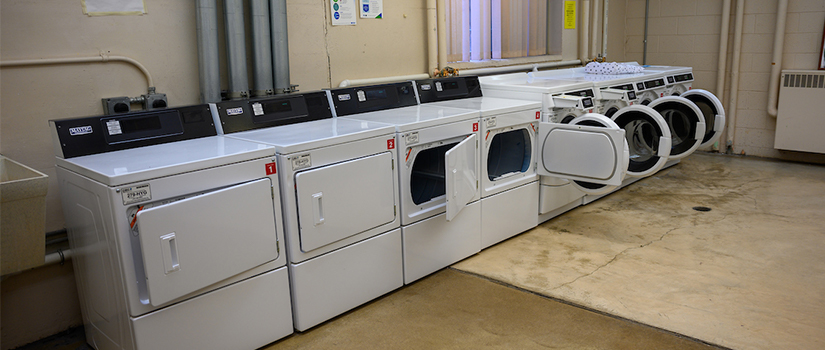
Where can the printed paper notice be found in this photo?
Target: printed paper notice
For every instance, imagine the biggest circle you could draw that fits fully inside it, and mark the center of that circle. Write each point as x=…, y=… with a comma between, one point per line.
x=343, y=12
x=372, y=8
x=569, y=15
x=113, y=7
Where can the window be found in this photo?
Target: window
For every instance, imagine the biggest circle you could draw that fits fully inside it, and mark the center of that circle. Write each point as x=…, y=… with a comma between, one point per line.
x=500, y=29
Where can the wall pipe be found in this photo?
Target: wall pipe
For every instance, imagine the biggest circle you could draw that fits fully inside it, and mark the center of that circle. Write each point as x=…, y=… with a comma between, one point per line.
x=442, y=34
x=432, y=36
x=74, y=60
x=209, y=70
x=280, y=46
x=261, y=48
x=776, y=63
x=723, y=50
x=236, y=49
x=604, y=27
x=734, y=74
x=60, y=256
x=594, y=28
x=583, y=30
x=647, y=17
x=522, y=67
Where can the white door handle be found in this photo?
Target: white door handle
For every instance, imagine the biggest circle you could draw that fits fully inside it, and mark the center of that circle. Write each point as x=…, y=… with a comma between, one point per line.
x=169, y=247
x=318, y=208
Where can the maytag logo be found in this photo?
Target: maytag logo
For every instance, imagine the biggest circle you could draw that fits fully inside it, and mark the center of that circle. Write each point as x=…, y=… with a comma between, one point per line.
x=234, y=111
x=80, y=130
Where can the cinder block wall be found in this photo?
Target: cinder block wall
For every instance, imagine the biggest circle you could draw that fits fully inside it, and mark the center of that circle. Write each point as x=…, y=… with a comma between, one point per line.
x=686, y=33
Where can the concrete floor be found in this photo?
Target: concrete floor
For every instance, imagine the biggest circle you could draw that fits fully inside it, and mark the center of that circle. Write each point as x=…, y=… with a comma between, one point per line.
x=749, y=274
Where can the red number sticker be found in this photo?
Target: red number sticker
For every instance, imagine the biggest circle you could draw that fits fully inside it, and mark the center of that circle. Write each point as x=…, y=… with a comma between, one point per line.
x=391, y=144
x=270, y=168
x=538, y=114
x=475, y=127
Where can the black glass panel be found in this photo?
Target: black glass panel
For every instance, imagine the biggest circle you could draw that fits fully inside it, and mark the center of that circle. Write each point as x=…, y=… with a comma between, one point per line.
x=509, y=153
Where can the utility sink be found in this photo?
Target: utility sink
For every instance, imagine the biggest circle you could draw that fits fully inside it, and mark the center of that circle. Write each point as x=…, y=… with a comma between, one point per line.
x=22, y=216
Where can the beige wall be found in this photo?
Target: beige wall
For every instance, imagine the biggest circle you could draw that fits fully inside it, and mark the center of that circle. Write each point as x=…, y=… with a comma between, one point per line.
x=165, y=41
x=686, y=33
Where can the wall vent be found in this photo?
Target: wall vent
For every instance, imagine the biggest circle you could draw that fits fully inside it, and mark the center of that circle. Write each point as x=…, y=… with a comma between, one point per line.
x=801, y=80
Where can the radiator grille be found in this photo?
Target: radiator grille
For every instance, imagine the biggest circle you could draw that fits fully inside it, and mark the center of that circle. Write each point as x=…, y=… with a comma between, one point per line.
x=813, y=81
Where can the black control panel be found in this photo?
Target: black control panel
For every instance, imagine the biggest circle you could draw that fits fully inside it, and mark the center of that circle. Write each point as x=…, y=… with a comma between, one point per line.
x=242, y=115
x=626, y=87
x=587, y=103
x=683, y=77
x=650, y=84
x=582, y=93
x=94, y=135
x=444, y=89
x=360, y=99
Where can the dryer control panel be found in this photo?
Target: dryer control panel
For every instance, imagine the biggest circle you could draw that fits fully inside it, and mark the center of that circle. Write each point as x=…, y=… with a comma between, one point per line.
x=361, y=99
x=241, y=115
x=444, y=89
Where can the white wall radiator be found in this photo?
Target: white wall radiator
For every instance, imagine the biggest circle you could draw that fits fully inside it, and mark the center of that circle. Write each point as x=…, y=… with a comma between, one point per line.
x=800, y=121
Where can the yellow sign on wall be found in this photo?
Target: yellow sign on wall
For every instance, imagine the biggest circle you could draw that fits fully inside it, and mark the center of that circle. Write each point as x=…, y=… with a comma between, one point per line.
x=569, y=15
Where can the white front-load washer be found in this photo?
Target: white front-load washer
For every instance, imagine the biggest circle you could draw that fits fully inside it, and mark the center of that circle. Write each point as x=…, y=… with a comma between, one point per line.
x=340, y=200
x=509, y=183
x=172, y=227
x=438, y=168
x=678, y=79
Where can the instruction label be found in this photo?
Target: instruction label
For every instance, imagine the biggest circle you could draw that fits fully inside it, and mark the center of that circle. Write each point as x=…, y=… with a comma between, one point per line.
x=302, y=161
x=114, y=127
x=411, y=138
x=257, y=109
x=569, y=15
x=490, y=122
x=372, y=9
x=136, y=194
x=343, y=12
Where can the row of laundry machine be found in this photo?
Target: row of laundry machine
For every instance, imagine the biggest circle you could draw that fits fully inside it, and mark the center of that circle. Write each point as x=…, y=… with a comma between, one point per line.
x=229, y=225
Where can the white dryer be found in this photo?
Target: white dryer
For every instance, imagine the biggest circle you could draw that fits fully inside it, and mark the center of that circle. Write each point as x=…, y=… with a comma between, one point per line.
x=172, y=228
x=509, y=183
x=564, y=100
x=340, y=200
x=438, y=153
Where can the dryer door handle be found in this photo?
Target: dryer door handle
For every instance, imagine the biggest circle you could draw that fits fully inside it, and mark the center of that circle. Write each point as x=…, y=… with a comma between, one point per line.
x=318, y=208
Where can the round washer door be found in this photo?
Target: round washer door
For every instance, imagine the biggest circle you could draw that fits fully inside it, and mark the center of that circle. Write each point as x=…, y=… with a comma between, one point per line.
x=598, y=120
x=648, y=138
x=686, y=122
x=713, y=111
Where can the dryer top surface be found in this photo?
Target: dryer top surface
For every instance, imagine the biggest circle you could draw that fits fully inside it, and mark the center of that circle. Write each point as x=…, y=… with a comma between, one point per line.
x=144, y=163
x=315, y=134
x=417, y=117
x=490, y=105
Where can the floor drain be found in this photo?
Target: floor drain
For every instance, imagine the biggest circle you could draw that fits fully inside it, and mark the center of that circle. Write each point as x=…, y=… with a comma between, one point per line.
x=701, y=208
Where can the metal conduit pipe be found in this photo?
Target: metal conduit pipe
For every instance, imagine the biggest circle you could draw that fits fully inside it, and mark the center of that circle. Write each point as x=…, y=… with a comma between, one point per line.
x=280, y=46
x=208, y=55
x=734, y=74
x=594, y=28
x=522, y=67
x=583, y=31
x=442, y=34
x=776, y=63
x=60, y=256
x=73, y=60
x=236, y=49
x=647, y=17
x=604, y=28
x=723, y=50
x=261, y=48
x=432, y=36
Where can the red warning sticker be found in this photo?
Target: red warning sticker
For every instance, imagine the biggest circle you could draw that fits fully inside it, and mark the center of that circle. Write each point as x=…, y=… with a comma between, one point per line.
x=270, y=168
x=538, y=114
x=391, y=144
x=475, y=127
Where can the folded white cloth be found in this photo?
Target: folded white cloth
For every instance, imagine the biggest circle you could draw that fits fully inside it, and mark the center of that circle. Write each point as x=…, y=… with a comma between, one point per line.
x=612, y=68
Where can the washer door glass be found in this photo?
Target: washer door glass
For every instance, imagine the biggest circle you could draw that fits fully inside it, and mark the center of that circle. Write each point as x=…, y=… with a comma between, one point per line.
x=686, y=122
x=648, y=138
x=713, y=112
x=509, y=153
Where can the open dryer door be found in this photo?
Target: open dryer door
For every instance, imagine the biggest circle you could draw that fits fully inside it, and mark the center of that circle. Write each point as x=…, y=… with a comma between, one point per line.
x=648, y=138
x=462, y=175
x=686, y=122
x=713, y=111
x=591, y=151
